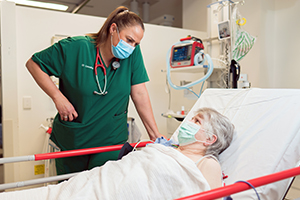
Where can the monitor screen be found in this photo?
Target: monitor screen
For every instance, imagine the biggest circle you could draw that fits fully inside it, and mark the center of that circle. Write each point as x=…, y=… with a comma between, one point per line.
x=223, y=30
x=181, y=53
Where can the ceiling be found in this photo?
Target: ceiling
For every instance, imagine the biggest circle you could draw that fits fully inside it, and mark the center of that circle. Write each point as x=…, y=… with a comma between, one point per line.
x=102, y=8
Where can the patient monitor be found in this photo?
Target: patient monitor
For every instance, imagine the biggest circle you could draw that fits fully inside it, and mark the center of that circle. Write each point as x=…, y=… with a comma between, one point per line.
x=183, y=55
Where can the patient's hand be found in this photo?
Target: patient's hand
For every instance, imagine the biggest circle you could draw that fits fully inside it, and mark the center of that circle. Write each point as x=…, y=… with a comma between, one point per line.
x=163, y=136
x=158, y=135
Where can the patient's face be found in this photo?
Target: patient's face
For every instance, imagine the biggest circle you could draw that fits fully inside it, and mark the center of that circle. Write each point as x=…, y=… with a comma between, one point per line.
x=199, y=120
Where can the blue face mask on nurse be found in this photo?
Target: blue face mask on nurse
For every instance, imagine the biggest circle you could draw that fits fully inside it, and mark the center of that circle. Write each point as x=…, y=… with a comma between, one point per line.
x=122, y=50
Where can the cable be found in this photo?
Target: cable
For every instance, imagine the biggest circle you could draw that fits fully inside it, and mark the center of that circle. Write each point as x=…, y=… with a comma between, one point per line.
x=250, y=186
x=222, y=61
x=146, y=140
x=227, y=65
x=168, y=91
x=201, y=89
x=230, y=198
x=193, y=92
x=223, y=71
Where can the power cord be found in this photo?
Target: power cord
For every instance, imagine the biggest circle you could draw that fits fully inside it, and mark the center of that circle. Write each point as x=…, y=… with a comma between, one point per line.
x=230, y=198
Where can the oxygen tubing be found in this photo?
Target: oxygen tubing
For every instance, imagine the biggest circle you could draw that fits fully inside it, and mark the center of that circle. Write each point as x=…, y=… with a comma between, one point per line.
x=210, y=70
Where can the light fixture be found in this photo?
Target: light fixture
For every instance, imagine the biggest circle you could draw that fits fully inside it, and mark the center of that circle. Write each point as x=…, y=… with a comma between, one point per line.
x=41, y=4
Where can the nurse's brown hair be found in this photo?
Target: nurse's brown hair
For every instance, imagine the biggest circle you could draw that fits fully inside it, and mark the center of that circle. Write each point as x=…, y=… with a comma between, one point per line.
x=122, y=17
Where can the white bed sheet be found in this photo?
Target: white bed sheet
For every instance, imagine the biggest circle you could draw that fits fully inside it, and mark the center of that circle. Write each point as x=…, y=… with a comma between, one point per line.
x=267, y=137
x=156, y=172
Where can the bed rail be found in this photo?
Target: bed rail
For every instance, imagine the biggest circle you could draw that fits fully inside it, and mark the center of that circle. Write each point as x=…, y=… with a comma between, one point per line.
x=242, y=186
x=36, y=181
x=70, y=153
x=207, y=195
x=53, y=155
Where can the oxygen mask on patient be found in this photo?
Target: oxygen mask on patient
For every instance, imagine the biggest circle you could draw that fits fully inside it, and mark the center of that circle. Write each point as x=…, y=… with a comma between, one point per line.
x=187, y=132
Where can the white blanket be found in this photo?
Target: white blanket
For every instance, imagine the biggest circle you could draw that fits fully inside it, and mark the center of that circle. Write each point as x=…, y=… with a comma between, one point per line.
x=155, y=172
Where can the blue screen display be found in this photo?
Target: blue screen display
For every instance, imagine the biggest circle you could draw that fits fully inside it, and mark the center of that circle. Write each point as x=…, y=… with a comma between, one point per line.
x=181, y=53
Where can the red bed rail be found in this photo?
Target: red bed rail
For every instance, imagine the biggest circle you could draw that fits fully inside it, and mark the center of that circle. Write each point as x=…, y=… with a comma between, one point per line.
x=207, y=195
x=70, y=153
x=240, y=186
x=79, y=152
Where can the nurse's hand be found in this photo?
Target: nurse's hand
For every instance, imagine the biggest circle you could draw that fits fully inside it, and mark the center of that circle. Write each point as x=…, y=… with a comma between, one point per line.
x=65, y=109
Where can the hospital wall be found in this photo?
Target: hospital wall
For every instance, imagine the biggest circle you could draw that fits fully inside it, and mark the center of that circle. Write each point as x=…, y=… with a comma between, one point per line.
x=30, y=31
x=272, y=63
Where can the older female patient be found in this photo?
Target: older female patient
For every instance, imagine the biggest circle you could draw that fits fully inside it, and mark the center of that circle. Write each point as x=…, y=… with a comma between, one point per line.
x=155, y=172
x=203, y=138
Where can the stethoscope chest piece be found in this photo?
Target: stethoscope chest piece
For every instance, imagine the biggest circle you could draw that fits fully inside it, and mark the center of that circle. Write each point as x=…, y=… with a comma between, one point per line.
x=102, y=93
x=116, y=64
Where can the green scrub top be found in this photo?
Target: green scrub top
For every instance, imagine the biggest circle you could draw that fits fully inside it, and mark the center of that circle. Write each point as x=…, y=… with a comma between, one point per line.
x=102, y=120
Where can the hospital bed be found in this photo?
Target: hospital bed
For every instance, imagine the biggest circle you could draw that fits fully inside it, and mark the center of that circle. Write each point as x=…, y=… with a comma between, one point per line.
x=266, y=139
x=267, y=123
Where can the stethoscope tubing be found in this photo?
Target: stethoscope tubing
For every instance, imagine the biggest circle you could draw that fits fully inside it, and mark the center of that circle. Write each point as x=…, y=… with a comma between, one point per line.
x=102, y=92
x=99, y=65
x=115, y=64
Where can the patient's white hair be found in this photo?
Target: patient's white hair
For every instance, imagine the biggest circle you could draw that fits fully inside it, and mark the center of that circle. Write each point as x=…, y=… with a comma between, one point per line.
x=218, y=124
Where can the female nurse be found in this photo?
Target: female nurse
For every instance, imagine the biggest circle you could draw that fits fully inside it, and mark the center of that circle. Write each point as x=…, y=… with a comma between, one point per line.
x=97, y=74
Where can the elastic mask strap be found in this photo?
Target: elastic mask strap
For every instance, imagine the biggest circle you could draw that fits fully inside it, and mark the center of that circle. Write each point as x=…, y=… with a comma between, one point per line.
x=204, y=142
x=118, y=33
x=210, y=133
x=118, y=37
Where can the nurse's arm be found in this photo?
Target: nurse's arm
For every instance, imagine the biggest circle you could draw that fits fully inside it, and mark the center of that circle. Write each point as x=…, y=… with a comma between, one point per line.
x=64, y=107
x=141, y=100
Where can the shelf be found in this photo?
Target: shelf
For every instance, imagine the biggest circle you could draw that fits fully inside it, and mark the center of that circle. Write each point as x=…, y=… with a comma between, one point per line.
x=174, y=115
x=170, y=115
x=192, y=69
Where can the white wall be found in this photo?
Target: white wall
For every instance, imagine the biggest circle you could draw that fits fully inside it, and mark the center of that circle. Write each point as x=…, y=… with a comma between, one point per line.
x=273, y=62
x=194, y=14
x=286, y=44
x=34, y=30
x=9, y=88
x=259, y=63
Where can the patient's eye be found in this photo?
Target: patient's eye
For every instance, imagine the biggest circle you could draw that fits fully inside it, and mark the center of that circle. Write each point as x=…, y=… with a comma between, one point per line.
x=196, y=120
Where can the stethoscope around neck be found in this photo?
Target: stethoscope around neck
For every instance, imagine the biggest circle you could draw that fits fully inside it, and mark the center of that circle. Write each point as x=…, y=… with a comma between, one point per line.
x=115, y=64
